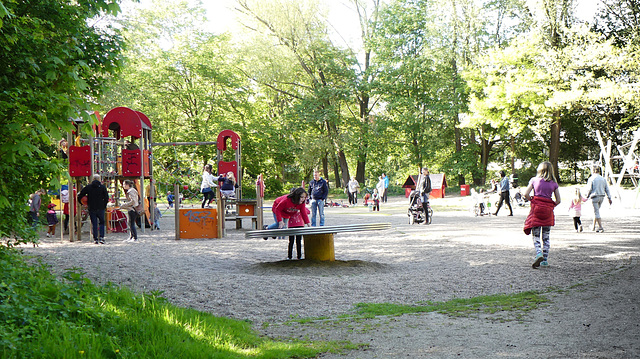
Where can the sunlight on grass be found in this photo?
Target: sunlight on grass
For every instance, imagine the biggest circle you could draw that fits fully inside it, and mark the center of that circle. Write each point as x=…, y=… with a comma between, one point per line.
x=44, y=316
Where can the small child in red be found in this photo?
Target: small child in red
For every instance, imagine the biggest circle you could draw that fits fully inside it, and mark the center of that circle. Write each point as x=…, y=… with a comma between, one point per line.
x=52, y=220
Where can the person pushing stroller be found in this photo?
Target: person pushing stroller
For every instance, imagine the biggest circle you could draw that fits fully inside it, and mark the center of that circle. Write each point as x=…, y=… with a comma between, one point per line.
x=424, y=189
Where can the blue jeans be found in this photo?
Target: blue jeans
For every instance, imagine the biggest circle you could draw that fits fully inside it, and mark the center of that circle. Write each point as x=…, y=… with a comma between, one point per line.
x=275, y=224
x=97, y=217
x=34, y=220
x=317, y=206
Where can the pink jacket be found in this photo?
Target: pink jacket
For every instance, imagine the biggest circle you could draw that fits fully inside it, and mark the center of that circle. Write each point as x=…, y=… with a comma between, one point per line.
x=575, y=209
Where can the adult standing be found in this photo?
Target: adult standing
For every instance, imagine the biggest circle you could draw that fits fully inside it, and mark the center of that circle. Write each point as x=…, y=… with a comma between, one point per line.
x=207, y=187
x=504, y=193
x=541, y=217
x=380, y=187
x=385, y=180
x=318, y=190
x=34, y=209
x=352, y=190
x=133, y=206
x=97, y=200
x=424, y=190
x=598, y=188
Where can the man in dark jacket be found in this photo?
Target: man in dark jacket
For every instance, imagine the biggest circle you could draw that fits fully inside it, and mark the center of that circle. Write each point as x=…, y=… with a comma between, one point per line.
x=318, y=191
x=424, y=189
x=97, y=199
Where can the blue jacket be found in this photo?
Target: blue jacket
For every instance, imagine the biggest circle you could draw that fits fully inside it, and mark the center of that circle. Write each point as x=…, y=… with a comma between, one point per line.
x=318, y=189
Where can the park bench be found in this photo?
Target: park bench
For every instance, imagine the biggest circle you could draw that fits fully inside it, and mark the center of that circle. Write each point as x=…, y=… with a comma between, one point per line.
x=318, y=241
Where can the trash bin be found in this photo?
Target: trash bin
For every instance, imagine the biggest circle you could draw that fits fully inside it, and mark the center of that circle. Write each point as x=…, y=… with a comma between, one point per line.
x=464, y=190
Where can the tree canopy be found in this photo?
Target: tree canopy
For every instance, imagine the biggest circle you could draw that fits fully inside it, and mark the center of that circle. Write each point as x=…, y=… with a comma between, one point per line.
x=461, y=86
x=55, y=57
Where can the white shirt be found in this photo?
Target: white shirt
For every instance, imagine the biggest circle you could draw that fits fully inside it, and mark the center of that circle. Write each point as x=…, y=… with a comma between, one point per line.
x=207, y=181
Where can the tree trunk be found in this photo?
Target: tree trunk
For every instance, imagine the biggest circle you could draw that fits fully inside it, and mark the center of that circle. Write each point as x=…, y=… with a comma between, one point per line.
x=336, y=171
x=344, y=167
x=325, y=165
x=484, y=158
x=554, y=146
x=477, y=181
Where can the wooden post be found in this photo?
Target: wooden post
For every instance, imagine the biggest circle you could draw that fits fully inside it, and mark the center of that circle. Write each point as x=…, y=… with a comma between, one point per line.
x=219, y=202
x=176, y=206
x=319, y=247
x=78, y=217
x=259, y=203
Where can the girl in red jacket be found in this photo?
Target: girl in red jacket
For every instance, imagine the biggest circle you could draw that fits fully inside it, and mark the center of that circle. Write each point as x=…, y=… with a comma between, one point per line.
x=541, y=218
x=286, y=206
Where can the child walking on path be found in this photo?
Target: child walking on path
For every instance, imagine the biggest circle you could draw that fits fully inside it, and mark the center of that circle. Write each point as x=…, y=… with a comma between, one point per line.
x=156, y=217
x=575, y=209
x=376, y=200
x=541, y=218
x=52, y=220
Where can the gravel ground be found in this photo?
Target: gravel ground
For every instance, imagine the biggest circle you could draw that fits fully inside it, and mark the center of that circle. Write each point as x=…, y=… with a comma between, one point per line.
x=592, y=278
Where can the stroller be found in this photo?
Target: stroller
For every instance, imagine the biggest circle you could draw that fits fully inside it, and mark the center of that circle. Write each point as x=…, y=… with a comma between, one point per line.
x=416, y=211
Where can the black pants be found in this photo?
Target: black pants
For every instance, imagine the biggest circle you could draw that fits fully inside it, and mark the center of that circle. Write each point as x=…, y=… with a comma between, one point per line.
x=133, y=216
x=504, y=196
x=298, y=240
x=577, y=222
x=353, y=197
x=425, y=207
x=208, y=196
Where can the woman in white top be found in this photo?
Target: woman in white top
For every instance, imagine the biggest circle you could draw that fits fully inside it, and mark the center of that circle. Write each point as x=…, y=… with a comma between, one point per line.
x=207, y=186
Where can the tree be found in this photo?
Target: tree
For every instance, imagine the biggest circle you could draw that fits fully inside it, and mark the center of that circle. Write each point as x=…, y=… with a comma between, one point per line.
x=55, y=59
x=323, y=77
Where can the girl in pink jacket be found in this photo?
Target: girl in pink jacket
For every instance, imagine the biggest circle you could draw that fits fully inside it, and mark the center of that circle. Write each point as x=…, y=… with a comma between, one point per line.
x=575, y=209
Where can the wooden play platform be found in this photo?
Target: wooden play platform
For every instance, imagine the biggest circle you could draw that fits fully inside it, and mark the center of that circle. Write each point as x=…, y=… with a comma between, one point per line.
x=318, y=241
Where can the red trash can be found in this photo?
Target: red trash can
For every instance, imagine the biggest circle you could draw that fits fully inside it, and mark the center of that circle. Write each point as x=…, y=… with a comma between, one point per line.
x=464, y=190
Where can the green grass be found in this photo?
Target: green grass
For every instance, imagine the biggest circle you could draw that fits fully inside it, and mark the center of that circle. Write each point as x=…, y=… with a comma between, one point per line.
x=516, y=304
x=44, y=317
x=490, y=304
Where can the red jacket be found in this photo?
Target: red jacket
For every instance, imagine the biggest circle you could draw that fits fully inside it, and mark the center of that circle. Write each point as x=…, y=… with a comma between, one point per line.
x=284, y=208
x=541, y=214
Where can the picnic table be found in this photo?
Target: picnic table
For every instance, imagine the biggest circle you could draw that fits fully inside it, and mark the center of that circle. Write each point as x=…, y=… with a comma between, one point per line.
x=318, y=241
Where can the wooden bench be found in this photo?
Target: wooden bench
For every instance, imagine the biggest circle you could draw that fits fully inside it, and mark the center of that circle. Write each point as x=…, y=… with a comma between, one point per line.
x=318, y=241
x=238, y=219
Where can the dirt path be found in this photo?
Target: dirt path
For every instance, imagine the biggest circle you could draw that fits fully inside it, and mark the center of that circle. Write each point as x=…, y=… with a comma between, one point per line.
x=594, y=302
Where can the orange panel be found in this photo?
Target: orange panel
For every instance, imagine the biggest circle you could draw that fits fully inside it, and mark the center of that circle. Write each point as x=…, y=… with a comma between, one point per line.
x=198, y=223
x=246, y=210
x=147, y=162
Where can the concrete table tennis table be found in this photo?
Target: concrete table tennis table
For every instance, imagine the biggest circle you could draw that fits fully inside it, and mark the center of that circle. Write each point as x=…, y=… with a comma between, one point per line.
x=318, y=241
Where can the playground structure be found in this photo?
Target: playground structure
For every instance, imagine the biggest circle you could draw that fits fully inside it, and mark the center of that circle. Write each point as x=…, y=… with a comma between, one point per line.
x=121, y=148
x=629, y=167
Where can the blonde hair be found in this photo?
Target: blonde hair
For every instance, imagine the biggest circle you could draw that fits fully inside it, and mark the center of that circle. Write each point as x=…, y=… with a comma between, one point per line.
x=232, y=177
x=545, y=171
x=577, y=198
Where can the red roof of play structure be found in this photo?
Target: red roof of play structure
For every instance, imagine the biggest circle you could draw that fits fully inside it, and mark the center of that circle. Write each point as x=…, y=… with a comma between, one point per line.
x=126, y=122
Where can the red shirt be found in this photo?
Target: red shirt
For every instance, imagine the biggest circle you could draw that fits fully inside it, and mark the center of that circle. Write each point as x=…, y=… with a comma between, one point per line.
x=284, y=208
